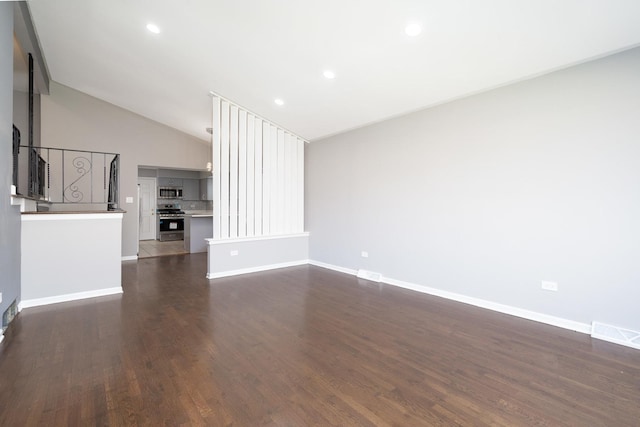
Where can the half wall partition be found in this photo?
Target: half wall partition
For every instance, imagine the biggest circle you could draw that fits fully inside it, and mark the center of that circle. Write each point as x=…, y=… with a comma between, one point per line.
x=258, y=193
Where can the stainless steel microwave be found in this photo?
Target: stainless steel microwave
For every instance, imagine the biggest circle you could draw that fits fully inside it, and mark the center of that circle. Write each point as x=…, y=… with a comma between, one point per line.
x=170, y=193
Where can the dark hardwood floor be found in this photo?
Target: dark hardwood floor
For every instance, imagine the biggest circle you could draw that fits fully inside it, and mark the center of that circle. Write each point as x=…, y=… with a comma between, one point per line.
x=299, y=347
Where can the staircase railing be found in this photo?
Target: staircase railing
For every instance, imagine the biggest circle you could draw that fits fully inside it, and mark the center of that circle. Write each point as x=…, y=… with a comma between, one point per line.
x=58, y=175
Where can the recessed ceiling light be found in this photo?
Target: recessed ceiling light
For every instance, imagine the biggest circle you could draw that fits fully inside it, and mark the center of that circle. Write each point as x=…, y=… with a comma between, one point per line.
x=278, y=101
x=153, y=28
x=413, y=29
x=329, y=74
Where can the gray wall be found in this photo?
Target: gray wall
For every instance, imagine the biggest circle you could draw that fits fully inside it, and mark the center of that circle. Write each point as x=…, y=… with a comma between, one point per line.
x=58, y=246
x=258, y=254
x=9, y=215
x=72, y=119
x=489, y=195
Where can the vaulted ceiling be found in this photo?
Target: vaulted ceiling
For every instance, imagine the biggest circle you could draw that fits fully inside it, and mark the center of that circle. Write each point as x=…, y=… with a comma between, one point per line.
x=256, y=51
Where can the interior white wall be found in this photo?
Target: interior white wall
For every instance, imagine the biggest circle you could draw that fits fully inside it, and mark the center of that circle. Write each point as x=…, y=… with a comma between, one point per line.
x=489, y=195
x=9, y=215
x=74, y=120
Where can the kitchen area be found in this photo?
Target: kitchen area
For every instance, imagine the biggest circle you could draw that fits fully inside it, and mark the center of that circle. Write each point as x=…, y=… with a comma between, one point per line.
x=175, y=211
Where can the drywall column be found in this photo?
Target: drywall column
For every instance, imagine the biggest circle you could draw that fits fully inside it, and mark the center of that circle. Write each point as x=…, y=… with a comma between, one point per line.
x=9, y=215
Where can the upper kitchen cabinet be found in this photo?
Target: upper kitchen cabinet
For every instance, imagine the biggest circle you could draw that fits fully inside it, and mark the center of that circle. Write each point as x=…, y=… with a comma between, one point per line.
x=206, y=188
x=170, y=182
x=190, y=189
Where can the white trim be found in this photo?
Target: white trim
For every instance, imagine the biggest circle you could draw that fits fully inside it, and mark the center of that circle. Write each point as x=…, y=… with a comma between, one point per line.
x=71, y=216
x=212, y=242
x=130, y=258
x=1, y=336
x=334, y=267
x=256, y=269
x=69, y=297
x=584, y=328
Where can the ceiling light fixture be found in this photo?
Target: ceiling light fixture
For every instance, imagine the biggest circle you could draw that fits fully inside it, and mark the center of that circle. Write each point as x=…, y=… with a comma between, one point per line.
x=153, y=28
x=329, y=74
x=413, y=29
x=279, y=102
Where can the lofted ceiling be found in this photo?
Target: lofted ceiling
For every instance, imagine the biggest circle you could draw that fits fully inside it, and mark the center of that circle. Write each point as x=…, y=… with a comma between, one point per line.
x=254, y=51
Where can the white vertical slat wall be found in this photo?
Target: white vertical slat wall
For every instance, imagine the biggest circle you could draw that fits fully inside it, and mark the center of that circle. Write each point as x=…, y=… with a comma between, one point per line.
x=258, y=175
x=257, y=187
x=216, y=162
x=225, y=175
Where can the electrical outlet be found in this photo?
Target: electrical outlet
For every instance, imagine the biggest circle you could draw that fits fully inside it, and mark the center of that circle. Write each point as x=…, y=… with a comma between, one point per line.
x=129, y=200
x=364, y=254
x=549, y=286
x=234, y=253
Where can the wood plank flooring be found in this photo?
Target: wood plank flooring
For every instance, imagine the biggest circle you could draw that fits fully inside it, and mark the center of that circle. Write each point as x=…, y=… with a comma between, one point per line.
x=302, y=346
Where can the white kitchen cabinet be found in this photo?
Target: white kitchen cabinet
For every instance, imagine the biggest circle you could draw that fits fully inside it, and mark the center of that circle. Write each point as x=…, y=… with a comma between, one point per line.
x=190, y=189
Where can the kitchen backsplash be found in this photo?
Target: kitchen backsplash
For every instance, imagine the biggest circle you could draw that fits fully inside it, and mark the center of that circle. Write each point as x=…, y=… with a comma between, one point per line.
x=197, y=205
x=189, y=205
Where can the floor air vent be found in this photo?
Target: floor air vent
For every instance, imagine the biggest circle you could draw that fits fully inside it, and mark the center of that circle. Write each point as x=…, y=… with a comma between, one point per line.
x=369, y=275
x=615, y=334
x=9, y=314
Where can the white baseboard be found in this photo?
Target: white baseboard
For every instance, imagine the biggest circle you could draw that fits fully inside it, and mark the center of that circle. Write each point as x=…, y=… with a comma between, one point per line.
x=334, y=267
x=130, y=258
x=69, y=297
x=256, y=269
x=584, y=328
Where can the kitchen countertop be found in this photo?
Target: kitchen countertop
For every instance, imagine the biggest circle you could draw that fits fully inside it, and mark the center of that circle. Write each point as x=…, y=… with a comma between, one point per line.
x=198, y=214
x=72, y=212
